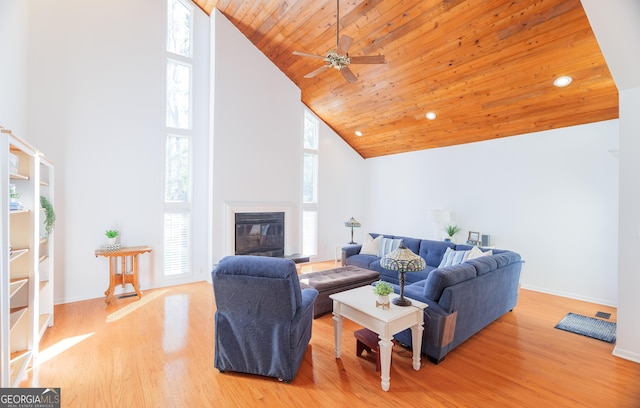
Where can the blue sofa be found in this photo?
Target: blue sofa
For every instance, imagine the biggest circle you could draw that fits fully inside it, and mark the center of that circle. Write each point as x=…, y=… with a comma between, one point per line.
x=463, y=298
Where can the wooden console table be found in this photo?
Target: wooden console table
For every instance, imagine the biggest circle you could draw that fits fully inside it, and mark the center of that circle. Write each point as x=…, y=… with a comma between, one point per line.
x=122, y=276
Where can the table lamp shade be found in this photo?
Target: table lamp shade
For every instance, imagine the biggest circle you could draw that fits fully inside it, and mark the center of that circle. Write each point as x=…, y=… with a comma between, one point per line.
x=352, y=223
x=402, y=260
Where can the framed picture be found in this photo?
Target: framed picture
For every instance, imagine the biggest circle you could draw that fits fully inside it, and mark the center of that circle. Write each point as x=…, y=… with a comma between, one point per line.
x=474, y=238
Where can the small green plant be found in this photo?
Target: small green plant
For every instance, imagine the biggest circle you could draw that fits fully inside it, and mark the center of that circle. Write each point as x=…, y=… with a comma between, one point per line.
x=382, y=288
x=49, y=214
x=452, y=230
x=111, y=233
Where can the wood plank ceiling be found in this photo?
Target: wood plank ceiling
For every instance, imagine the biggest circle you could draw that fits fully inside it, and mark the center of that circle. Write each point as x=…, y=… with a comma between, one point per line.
x=486, y=68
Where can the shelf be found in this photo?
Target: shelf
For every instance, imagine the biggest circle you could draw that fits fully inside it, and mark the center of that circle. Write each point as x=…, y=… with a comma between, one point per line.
x=43, y=240
x=43, y=258
x=15, y=285
x=16, y=253
x=43, y=283
x=16, y=176
x=24, y=210
x=16, y=315
x=18, y=364
x=44, y=183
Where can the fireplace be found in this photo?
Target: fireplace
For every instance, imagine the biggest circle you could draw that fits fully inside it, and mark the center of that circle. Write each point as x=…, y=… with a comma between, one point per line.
x=259, y=233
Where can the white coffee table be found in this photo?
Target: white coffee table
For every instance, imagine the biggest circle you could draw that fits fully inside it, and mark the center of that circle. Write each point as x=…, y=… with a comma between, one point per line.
x=359, y=305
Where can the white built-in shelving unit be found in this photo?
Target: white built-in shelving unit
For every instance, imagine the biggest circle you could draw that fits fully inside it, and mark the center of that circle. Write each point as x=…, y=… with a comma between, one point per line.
x=26, y=256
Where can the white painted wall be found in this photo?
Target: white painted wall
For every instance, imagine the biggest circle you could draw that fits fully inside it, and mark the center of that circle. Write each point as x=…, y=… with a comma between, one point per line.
x=551, y=196
x=14, y=17
x=616, y=25
x=96, y=109
x=257, y=149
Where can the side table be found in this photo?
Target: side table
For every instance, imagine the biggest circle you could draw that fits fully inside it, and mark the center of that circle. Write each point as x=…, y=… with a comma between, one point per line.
x=122, y=276
x=358, y=305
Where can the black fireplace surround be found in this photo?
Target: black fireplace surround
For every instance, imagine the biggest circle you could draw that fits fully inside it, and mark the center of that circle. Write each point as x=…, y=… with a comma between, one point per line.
x=260, y=233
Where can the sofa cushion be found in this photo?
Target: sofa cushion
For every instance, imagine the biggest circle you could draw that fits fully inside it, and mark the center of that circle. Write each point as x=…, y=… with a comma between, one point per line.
x=452, y=257
x=388, y=245
x=361, y=260
x=484, y=264
x=370, y=245
x=506, y=258
x=433, y=251
x=411, y=243
x=441, y=278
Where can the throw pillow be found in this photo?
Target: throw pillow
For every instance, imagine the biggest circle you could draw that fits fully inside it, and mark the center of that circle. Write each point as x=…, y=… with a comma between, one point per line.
x=388, y=245
x=371, y=245
x=452, y=257
x=477, y=253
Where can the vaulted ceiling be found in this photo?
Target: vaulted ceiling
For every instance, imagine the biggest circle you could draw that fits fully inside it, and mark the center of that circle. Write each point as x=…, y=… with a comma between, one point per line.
x=485, y=67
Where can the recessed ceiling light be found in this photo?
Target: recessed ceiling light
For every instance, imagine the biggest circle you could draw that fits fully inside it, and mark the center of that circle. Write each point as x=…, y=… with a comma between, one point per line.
x=430, y=115
x=562, y=81
x=358, y=133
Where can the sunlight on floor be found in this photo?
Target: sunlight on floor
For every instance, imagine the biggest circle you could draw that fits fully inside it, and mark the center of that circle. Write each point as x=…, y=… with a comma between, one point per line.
x=118, y=314
x=59, y=347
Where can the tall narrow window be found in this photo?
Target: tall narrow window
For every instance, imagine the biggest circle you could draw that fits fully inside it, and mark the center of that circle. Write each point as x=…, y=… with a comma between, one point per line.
x=178, y=139
x=310, y=186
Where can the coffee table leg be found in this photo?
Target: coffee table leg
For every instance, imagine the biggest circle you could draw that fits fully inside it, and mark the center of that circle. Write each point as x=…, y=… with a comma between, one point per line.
x=337, y=333
x=416, y=340
x=385, y=362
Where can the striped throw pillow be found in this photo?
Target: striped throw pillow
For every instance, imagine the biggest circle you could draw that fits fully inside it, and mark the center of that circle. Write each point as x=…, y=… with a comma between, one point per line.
x=388, y=245
x=452, y=257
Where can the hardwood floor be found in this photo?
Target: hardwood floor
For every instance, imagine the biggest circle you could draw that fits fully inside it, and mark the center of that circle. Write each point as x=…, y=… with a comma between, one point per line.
x=158, y=352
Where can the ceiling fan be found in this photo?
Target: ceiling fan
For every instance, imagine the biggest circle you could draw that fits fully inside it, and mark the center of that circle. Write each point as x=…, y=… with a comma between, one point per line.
x=339, y=58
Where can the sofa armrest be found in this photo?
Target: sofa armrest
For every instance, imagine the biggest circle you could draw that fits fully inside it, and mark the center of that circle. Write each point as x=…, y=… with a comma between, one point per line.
x=350, y=250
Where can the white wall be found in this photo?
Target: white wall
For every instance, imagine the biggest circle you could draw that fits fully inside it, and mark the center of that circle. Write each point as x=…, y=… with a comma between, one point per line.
x=257, y=149
x=96, y=109
x=616, y=25
x=14, y=16
x=551, y=196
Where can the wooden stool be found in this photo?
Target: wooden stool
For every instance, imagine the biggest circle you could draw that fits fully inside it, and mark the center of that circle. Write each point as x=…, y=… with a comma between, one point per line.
x=368, y=340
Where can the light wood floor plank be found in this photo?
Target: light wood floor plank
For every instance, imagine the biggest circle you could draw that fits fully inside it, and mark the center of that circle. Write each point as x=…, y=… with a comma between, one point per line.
x=158, y=352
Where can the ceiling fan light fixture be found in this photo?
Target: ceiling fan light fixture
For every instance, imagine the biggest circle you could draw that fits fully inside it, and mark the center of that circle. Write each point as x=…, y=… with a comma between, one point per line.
x=562, y=81
x=430, y=115
x=358, y=133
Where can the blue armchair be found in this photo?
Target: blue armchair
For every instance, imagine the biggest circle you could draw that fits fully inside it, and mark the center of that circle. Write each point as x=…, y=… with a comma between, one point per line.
x=263, y=319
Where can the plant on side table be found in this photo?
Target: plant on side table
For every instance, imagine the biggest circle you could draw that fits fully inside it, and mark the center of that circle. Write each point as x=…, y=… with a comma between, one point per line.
x=111, y=236
x=382, y=289
x=451, y=230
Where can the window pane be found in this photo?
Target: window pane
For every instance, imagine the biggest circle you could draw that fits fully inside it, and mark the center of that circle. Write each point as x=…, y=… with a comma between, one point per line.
x=177, y=173
x=309, y=189
x=178, y=95
x=310, y=132
x=310, y=233
x=179, y=28
x=177, y=232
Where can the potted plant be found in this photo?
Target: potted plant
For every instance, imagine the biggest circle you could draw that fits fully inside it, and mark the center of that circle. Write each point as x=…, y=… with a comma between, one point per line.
x=451, y=230
x=382, y=289
x=112, y=235
x=49, y=214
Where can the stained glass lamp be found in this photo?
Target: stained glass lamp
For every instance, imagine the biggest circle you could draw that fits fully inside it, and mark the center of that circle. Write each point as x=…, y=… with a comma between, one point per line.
x=353, y=223
x=402, y=260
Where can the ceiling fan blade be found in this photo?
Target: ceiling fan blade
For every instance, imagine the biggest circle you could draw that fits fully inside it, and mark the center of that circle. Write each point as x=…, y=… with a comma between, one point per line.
x=317, y=71
x=304, y=54
x=348, y=74
x=369, y=59
x=344, y=44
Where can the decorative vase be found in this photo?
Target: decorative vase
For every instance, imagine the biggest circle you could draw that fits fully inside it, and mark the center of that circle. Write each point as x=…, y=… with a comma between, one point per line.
x=383, y=300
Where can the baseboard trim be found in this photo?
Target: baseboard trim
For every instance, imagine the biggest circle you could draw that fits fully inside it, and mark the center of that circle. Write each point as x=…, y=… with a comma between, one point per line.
x=570, y=295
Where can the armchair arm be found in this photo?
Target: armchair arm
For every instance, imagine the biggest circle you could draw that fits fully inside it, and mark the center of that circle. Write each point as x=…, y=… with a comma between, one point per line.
x=309, y=296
